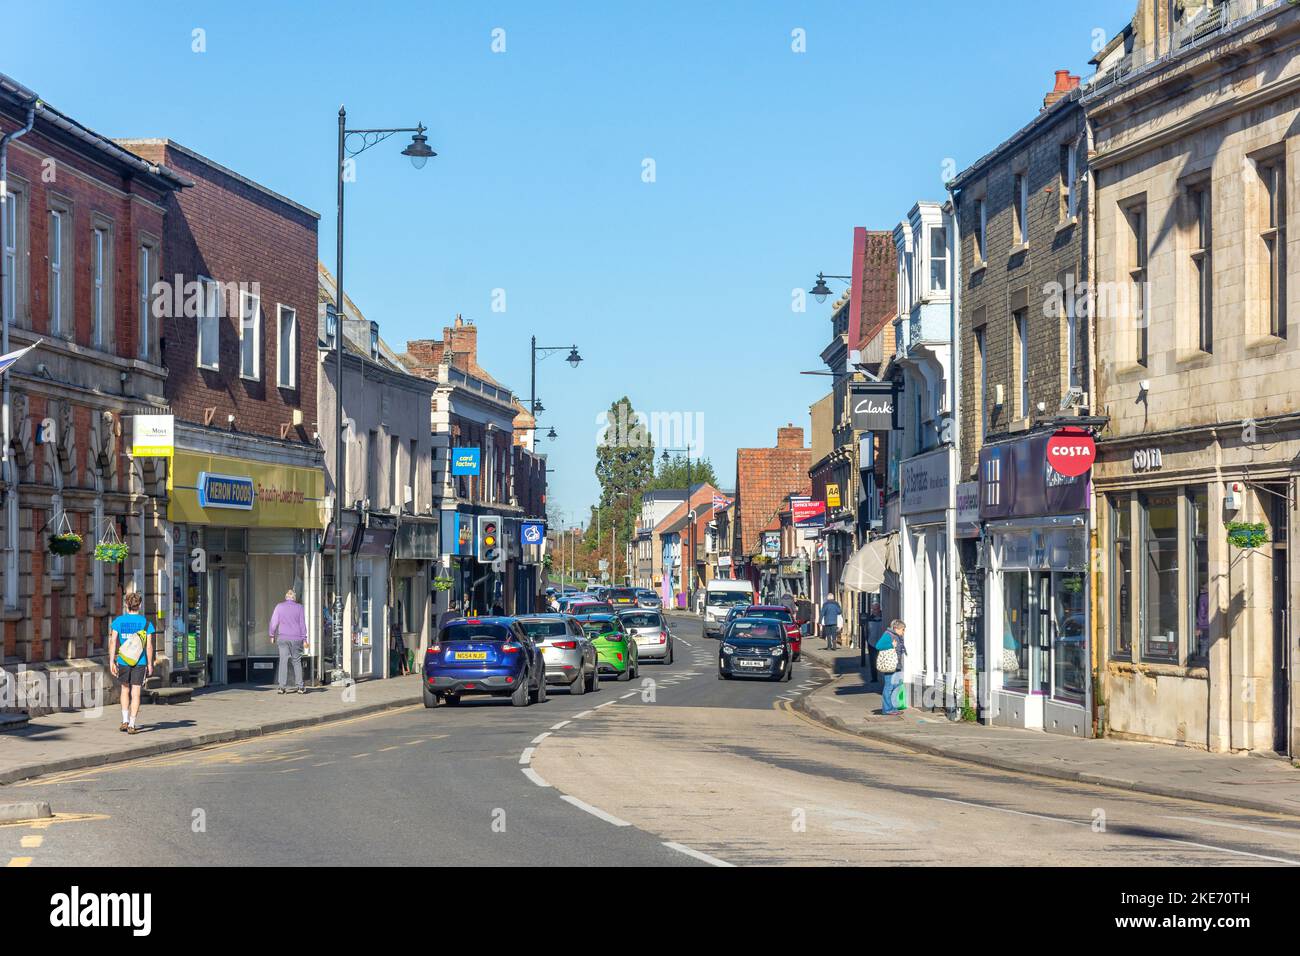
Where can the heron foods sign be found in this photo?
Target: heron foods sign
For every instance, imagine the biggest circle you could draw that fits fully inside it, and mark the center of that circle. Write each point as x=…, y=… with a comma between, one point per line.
x=236, y=492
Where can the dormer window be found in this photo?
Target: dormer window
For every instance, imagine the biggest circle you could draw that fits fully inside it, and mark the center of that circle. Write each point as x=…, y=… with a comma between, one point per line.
x=938, y=259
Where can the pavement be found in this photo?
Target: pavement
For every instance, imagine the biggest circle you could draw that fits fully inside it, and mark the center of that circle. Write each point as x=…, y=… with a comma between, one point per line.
x=63, y=741
x=849, y=703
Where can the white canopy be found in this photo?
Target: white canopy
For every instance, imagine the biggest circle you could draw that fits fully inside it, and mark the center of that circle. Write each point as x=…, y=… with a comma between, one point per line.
x=866, y=569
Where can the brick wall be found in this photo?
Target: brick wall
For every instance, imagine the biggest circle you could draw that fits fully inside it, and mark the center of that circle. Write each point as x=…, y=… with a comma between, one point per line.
x=764, y=477
x=228, y=230
x=1014, y=277
x=879, y=287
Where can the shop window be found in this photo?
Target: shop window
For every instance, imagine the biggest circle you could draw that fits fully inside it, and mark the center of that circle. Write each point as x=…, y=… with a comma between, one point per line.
x=1070, y=636
x=1160, y=607
x=1199, y=563
x=1121, y=607
x=1016, y=630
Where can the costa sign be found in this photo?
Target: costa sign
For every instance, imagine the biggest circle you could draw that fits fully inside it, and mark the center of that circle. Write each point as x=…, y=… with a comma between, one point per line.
x=1071, y=452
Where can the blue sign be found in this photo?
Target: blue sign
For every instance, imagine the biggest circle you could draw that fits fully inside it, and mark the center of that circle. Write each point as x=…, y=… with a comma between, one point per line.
x=465, y=461
x=226, y=491
x=533, y=532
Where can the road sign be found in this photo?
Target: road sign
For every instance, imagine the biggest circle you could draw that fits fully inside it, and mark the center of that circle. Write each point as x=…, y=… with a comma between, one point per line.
x=533, y=532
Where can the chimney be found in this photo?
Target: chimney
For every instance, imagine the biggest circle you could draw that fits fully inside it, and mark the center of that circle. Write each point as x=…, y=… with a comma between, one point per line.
x=461, y=339
x=1065, y=83
x=424, y=351
x=790, y=436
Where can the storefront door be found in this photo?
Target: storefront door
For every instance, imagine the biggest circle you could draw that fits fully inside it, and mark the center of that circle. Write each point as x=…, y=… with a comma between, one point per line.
x=226, y=598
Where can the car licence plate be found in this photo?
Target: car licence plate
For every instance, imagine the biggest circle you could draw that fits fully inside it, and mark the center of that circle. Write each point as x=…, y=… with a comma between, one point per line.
x=471, y=655
x=752, y=663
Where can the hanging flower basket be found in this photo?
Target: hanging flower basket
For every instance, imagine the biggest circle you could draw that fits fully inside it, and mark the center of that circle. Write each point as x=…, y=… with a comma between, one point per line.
x=112, y=552
x=1247, y=534
x=111, y=548
x=65, y=543
x=442, y=584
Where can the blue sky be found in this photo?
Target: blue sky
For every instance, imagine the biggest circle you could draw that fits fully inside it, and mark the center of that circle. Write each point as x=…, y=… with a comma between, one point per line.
x=678, y=291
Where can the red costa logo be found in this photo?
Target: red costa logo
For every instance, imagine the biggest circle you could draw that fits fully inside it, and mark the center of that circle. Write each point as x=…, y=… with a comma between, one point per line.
x=1071, y=452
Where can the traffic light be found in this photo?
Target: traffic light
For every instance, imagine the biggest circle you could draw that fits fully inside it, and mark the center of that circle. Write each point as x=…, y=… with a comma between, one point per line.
x=489, y=539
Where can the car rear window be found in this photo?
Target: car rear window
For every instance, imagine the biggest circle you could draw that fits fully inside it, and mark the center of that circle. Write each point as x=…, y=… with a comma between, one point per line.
x=645, y=619
x=544, y=628
x=593, y=607
x=623, y=593
x=474, y=631
x=773, y=614
x=599, y=628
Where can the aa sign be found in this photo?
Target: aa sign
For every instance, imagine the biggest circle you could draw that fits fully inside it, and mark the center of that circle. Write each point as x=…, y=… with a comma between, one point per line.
x=1071, y=452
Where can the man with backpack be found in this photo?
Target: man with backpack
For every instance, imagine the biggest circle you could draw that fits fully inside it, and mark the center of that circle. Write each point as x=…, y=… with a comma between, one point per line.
x=130, y=656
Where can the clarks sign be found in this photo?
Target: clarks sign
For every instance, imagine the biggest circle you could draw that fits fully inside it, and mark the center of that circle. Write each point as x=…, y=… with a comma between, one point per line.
x=871, y=407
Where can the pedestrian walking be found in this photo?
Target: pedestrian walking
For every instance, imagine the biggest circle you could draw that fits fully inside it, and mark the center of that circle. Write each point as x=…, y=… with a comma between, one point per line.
x=830, y=616
x=397, y=642
x=130, y=656
x=288, y=630
x=889, y=662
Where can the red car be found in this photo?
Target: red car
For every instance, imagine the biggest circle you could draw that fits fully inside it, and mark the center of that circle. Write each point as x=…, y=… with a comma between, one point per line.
x=778, y=612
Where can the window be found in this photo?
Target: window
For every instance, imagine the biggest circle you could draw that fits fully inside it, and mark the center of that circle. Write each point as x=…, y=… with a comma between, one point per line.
x=394, y=473
x=1160, y=606
x=372, y=472
x=982, y=372
x=374, y=340
x=1073, y=372
x=1121, y=607
x=1020, y=189
x=981, y=231
x=144, y=300
x=413, y=478
x=1199, y=567
x=1273, y=173
x=57, y=284
x=938, y=259
x=1069, y=174
x=209, y=324
x=287, y=348
x=1198, y=201
x=15, y=258
x=100, y=308
x=1137, y=220
x=250, y=335
x=1021, y=318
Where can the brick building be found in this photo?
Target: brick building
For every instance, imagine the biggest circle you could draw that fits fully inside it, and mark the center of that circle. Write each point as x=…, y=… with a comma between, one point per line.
x=1022, y=212
x=83, y=225
x=237, y=334
x=765, y=477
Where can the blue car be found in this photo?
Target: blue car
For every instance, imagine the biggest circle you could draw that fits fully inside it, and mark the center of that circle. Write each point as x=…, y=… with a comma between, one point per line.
x=483, y=655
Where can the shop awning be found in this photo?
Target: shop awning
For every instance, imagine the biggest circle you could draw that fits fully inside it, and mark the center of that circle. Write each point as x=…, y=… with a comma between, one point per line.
x=866, y=569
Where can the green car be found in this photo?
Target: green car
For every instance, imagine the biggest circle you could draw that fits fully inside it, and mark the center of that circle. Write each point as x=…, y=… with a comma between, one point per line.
x=615, y=650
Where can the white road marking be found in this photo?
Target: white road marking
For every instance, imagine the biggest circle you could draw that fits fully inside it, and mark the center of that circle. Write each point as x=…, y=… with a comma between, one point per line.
x=585, y=713
x=711, y=860
x=631, y=693
x=608, y=703
x=1081, y=823
x=595, y=811
x=527, y=755
x=535, y=777
x=562, y=723
x=1237, y=826
x=540, y=737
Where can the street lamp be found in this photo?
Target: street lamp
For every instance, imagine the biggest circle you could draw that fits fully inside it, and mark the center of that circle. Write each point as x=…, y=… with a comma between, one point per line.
x=353, y=142
x=574, y=360
x=821, y=290
x=551, y=434
x=688, y=578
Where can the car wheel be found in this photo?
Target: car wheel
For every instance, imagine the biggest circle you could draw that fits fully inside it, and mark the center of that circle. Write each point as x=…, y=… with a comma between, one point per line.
x=668, y=658
x=722, y=676
x=579, y=685
x=595, y=679
x=626, y=673
x=539, y=695
x=451, y=700
x=522, y=696
x=789, y=673
x=797, y=656
x=430, y=698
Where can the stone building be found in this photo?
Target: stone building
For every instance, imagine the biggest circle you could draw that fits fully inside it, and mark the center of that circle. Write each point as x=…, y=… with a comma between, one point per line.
x=1022, y=373
x=1194, y=118
x=83, y=226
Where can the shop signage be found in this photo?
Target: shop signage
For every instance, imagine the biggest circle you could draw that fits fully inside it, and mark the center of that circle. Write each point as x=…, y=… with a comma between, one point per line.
x=1071, y=452
x=832, y=496
x=153, y=436
x=925, y=481
x=871, y=406
x=1147, y=459
x=806, y=513
x=226, y=491
x=533, y=532
x=771, y=544
x=968, y=509
x=465, y=461
x=417, y=540
x=1018, y=481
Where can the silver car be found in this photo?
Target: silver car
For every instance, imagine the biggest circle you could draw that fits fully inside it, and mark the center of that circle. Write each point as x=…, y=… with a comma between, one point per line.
x=647, y=598
x=568, y=653
x=649, y=628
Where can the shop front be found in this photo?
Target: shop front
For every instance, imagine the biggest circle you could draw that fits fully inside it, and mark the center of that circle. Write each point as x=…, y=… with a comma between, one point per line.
x=1037, y=655
x=933, y=663
x=243, y=533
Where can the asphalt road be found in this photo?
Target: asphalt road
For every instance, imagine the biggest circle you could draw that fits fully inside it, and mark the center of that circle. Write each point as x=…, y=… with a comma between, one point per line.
x=677, y=768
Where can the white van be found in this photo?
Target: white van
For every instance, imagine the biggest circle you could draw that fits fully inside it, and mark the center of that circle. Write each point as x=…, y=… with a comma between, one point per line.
x=720, y=597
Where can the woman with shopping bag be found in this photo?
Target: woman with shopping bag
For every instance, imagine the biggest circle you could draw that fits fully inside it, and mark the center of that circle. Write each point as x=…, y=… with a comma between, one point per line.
x=889, y=664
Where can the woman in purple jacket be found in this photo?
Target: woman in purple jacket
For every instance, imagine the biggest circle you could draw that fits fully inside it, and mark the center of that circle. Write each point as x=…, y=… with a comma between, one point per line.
x=289, y=630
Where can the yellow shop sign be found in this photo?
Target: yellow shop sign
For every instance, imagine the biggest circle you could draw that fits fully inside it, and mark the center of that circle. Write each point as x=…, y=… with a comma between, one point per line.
x=213, y=489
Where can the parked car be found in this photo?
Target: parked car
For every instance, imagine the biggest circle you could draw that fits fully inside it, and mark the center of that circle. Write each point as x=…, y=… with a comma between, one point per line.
x=621, y=597
x=489, y=655
x=650, y=631
x=615, y=650
x=647, y=598
x=755, y=647
x=779, y=612
x=567, y=652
